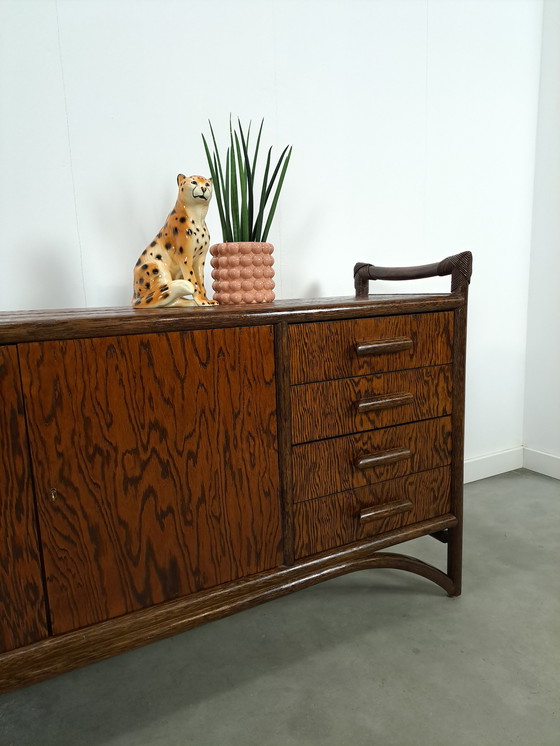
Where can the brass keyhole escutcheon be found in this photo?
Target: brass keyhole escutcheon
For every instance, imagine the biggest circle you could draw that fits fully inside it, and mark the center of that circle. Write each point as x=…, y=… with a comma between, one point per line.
x=54, y=494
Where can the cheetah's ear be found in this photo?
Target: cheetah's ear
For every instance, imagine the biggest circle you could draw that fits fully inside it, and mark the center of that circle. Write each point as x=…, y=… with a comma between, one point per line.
x=180, y=178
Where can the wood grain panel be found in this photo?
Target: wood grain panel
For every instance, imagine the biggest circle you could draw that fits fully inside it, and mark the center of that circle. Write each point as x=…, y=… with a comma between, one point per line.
x=328, y=466
x=163, y=452
x=74, y=323
x=455, y=546
x=23, y=618
x=327, y=350
x=64, y=652
x=284, y=439
x=334, y=521
x=329, y=408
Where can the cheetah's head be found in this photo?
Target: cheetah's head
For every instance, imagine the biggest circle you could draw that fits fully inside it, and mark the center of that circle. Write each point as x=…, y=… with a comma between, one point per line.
x=194, y=190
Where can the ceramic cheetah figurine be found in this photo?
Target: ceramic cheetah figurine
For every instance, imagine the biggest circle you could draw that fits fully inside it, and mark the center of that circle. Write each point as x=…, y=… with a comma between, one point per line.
x=172, y=266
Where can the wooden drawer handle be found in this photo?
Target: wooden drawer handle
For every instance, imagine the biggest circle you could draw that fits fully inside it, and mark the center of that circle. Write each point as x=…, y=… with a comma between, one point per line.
x=383, y=346
x=383, y=401
x=382, y=511
x=383, y=457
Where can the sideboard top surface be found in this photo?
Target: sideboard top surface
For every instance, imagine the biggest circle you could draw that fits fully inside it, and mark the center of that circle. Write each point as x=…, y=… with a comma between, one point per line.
x=40, y=325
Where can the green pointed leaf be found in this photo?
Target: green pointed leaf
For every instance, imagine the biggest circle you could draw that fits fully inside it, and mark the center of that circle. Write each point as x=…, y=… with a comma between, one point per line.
x=250, y=189
x=276, y=196
x=221, y=194
x=262, y=203
x=218, y=187
x=228, y=196
x=216, y=152
x=233, y=187
x=257, y=147
x=269, y=188
x=255, y=229
x=243, y=222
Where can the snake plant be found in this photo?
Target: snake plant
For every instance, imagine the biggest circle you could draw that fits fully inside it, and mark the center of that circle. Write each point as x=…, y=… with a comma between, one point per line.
x=243, y=213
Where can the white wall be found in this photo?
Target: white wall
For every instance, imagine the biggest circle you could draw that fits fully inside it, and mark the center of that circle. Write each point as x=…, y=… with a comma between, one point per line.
x=542, y=394
x=413, y=126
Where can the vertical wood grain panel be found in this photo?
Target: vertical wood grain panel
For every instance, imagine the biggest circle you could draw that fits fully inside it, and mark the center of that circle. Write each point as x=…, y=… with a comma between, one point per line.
x=22, y=605
x=455, y=545
x=284, y=437
x=163, y=451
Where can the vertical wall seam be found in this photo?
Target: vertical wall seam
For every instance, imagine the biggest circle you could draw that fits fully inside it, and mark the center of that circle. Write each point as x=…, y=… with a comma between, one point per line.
x=426, y=115
x=529, y=295
x=70, y=153
x=279, y=217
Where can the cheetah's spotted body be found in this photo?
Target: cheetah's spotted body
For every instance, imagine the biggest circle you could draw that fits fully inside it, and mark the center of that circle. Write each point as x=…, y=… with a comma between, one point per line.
x=172, y=266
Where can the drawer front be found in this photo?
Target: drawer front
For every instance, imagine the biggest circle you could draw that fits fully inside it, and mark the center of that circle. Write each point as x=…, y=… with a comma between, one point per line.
x=331, y=408
x=354, y=515
x=354, y=347
x=329, y=466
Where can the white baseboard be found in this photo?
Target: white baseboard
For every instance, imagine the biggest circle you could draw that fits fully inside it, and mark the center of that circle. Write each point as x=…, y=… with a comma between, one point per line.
x=514, y=458
x=544, y=463
x=493, y=463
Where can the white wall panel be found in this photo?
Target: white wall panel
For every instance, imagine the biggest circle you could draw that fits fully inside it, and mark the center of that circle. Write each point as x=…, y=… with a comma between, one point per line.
x=40, y=248
x=542, y=393
x=413, y=125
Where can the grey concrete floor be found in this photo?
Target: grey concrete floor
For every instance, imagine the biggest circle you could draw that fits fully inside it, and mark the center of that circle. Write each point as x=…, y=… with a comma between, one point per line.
x=377, y=657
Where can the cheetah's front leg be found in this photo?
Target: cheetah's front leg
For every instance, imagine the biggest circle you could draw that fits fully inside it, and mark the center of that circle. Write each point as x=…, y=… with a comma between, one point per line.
x=193, y=271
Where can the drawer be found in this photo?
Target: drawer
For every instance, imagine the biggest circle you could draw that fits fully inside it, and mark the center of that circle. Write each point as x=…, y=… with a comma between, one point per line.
x=338, y=464
x=340, y=349
x=330, y=408
x=354, y=515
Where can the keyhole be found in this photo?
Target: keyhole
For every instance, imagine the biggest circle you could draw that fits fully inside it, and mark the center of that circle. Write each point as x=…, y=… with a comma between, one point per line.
x=54, y=494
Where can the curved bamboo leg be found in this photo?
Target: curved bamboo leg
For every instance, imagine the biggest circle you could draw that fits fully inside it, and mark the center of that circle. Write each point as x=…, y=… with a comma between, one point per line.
x=395, y=561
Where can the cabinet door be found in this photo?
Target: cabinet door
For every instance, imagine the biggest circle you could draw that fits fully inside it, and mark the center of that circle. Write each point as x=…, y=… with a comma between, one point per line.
x=162, y=452
x=22, y=607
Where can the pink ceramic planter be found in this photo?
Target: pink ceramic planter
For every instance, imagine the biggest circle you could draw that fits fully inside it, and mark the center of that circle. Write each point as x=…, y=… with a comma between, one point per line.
x=242, y=272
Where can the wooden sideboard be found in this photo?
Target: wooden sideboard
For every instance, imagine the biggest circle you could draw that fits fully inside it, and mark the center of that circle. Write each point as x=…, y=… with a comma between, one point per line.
x=169, y=467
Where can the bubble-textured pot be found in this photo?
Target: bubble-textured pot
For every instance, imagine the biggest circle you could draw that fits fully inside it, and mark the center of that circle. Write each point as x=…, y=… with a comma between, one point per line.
x=242, y=272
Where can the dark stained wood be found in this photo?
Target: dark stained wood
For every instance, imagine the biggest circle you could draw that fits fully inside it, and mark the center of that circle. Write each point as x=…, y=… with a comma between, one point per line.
x=459, y=266
x=336, y=520
x=22, y=605
x=32, y=326
x=442, y=536
x=375, y=512
x=323, y=351
x=65, y=652
x=380, y=402
x=384, y=346
x=328, y=466
x=330, y=408
x=455, y=536
x=381, y=458
x=163, y=452
x=389, y=560
x=158, y=514
x=284, y=438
